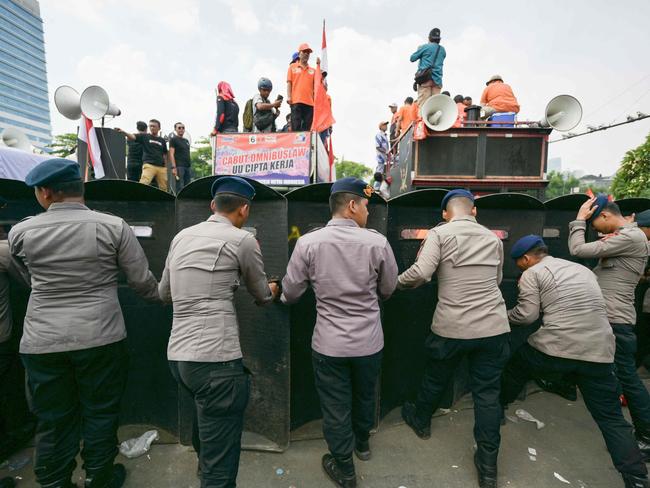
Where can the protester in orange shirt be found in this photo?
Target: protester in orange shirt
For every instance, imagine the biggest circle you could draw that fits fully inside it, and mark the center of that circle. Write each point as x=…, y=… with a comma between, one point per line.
x=498, y=97
x=461, y=111
x=300, y=90
x=404, y=116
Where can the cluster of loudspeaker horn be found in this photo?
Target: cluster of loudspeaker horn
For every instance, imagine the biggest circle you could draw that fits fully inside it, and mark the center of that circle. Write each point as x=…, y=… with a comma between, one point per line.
x=93, y=103
x=562, y=113
x=276, y=340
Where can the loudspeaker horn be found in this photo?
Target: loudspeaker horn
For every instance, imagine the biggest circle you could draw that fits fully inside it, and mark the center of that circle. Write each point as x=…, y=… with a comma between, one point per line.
x=67, y=102
x=95, y=103
x=562, y=113
x=439, y=112
x=12, y=137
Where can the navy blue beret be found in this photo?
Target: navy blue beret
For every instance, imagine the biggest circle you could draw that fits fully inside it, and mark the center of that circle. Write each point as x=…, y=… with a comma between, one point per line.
x=602, y=199
x=456, y=193
x=643, y=218
x=525, y=244
x=352, y=185
x=52, y=171
x=233, y=185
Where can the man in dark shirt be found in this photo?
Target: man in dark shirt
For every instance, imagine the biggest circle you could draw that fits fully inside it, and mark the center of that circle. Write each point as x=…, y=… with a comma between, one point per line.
x=134, y=158
x=154, y=154
x=179, y=157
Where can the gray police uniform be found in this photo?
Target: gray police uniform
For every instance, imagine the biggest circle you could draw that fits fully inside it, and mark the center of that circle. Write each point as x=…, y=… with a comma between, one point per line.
x=576, y=340
x=622, y=259
x=73, y=344
x=470, y=318
x=204, y=268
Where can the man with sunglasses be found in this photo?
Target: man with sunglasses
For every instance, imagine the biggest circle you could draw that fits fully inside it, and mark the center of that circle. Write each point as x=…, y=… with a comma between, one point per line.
x=179, y=157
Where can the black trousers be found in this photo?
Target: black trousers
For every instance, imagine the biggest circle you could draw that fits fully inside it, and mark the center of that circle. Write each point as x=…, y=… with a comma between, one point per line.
x=347, y=389
x=133, y=172
x=599, y=389
x=487, y=357
x=220, y=392
x=75, y=395
x=7, y=355
x=302, y=116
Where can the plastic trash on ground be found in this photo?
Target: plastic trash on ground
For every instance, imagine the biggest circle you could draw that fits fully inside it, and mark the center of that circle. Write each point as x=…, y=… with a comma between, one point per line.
x=524, y=415
x=138, y=446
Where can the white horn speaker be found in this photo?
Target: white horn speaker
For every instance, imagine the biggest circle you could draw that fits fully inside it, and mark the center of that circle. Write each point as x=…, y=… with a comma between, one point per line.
x=439, y=112
x=12, y=137
x=95, y=103
x=562, y=113
x=67, y=102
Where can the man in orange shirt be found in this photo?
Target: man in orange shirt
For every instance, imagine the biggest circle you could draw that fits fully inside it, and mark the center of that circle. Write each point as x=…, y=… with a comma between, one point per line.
x=460, y=106
x=498, y=97
x=404, y=116
x=300, y=90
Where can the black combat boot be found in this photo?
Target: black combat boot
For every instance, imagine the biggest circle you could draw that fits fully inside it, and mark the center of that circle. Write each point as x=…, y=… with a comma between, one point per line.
x=113, y=477
x=642, y=435
x=409, y=415
x=362, y=450
x=486, y=467
x=340, y=471
x=632, y=481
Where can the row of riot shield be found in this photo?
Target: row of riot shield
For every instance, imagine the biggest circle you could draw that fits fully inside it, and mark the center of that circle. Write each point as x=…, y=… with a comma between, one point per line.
x=276, y=340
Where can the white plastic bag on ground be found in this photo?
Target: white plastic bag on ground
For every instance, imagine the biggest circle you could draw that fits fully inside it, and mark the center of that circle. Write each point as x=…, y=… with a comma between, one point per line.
x=138, y=445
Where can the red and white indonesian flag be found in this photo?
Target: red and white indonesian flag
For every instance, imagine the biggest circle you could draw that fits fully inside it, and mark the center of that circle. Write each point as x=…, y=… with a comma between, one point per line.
x=88, y=135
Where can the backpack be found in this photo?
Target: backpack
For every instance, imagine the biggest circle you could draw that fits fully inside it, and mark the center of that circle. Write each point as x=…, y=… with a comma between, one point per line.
x=263, y=119
x=248, y=116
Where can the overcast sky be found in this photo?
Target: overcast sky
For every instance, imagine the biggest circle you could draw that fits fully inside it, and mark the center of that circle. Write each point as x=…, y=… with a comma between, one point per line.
x=164, y=58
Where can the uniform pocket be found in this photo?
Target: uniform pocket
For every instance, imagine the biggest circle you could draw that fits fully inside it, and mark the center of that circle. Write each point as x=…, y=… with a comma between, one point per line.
x=227, y=395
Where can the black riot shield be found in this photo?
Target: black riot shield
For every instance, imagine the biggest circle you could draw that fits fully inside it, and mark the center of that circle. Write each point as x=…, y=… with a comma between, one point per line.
x=511, y=216
x=264, y=331
x=151, y=396
x=309, y=210
x=19, y=202
x=408, y=313
x=629, y=206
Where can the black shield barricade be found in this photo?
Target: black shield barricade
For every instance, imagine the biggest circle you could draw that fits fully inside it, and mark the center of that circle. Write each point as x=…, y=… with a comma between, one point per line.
x=151, y=396
x=629, y=206
x=559, y=212
x=264, y=331
x=309, y=210
x=20, y=203
x=511, y=216
x=408, y=313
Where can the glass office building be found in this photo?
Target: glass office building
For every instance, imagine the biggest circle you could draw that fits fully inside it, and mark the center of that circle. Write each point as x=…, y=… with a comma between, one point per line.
x=24, y=100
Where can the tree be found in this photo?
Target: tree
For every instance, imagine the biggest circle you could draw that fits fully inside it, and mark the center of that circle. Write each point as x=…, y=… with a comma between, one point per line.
x=560, y=184
x=350, y=168
x=201, y=158
x=64, y=144
x=633, y=176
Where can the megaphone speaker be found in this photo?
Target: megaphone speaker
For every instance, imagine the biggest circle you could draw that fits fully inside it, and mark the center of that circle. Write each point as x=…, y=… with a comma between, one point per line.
x=562, y=113
x=67, y=102
x=439, y=112
x=15, y=138
x=95, y=103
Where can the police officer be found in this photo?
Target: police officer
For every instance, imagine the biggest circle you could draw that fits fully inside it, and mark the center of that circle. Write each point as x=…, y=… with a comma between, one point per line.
x=350, y=269
x=576, y=340
x=73, y=345
x=202, y=272
x=470, y=320
x=622, y=253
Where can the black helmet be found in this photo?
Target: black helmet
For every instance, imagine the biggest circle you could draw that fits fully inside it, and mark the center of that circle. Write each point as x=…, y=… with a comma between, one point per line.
x=264, y=84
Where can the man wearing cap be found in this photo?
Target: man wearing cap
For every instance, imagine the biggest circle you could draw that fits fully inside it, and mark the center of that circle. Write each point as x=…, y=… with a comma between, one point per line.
x=575, y=339
x=497, y=97
x=381, y=148
x=351, y=269
x=300, y=90
x=622, y=255
x=469, y=321
x=430, y=57
x=203, y=269
x=73, y=345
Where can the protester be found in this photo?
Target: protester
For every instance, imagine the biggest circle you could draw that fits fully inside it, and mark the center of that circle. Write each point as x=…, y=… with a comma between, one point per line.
x=461, y=111
x=154, y=154
x=430, y=57
x=467, y=101
x=381, y=148
x=381, y=185
x=497, y=97
x=404, y=116
x=392, y=132
x=287, y=127
x=179, y=157
x=294, y=57
x=300, y=90
x=446, y=93
x=227, y=119
x=134, y=157
x=264, y=111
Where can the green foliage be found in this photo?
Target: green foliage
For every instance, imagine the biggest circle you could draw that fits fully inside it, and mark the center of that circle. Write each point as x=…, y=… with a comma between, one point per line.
x=201, y=158
x=64, y=144
x=560, y=184
x=350, y=168
x=633, y=176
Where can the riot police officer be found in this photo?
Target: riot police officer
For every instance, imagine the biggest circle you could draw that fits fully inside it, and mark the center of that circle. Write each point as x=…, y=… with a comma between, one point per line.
x=350, y=269
x=202, y=272
x=576, y=340
x=73, y=345
x=469, y=320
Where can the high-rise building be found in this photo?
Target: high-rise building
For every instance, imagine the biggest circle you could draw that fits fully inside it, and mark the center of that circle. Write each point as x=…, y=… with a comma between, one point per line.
x=24, y=100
